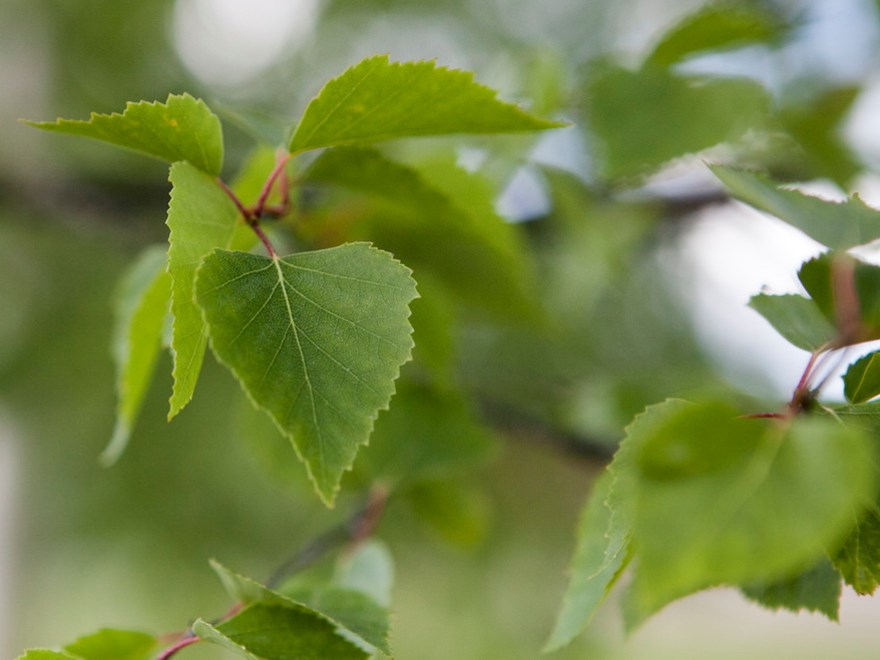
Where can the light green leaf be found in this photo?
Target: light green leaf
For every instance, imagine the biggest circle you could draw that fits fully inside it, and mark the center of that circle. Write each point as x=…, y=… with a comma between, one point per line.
x=452, y=231
x=109, y=644
x=456, y=512
x=592, y=572
x=716, y=26
x=815, y=590
x=381, y=100
x=274, y=632
x=369, y=570
x=717, y=499
x=45, y=654
x=643, y=119
x=861, y=382
x=796, y=318
x=141, y=309
x=200, y=218
x=316, y=339
x=181, y=129
x=858, y=559
x=839, y=225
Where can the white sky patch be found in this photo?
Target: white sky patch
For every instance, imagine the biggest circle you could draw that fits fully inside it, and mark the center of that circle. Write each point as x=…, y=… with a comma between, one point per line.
x=226, y=43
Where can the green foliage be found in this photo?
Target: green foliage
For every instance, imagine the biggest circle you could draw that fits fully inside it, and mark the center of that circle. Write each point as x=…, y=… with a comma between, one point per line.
x=858, y=559
x=105, y=644
x=815, y=590
x=796, y=318
x=861, y=382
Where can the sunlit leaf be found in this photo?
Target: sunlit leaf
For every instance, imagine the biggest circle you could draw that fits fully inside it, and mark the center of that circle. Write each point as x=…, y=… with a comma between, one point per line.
x=380, y=100
x=181, y=129
x=316, y=339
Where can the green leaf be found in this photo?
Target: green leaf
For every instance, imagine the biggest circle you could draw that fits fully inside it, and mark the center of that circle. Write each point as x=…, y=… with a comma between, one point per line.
x=45, y=654
x=108, y=644
x=796, y=318
x=716, y=26
x=369, y=570
x=451, y=231
x=643, y=119
x=141, y=309
x=351, y=613
x=839, y=225
x=380, y=100
x=858, y=559
x=861, y=382
x=458, y=514
x=275, y=632
x=200, y=218
x=815, y=590
x=316, y=339
x=717, y=499
x=181, y=129
x=592, y=572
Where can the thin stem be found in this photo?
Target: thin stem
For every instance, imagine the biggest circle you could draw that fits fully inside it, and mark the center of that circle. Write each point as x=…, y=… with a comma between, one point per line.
x=246, y=214
x=267, y=187
x=255, y=225
x=251, y=217
x=189, y=640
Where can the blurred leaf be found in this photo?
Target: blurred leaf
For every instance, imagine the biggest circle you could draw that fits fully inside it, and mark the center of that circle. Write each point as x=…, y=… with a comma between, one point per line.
x=380, y=100
x=796, y=318
x=839, y=225
x=717, y=26
x=105, y=644
x=181, y=129
x=858, y=559
x=642, y=119
x=593, y=571
x=45, y=654
x=273, y=632
x=266, y=129
x=861, y=382
x=142, y=306
x=425, y=435
x=330, y=340
x=723, y=500
x=200, y=218
x=815, y=590
x=453, y=232
x=457, y=514
x=369, y=570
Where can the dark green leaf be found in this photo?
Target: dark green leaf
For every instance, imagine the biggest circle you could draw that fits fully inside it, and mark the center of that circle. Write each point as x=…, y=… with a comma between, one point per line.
x=718, y=499
x=796, y=318
x=275, y=632
x=316, y=339
x=858, y=559
x=142, y=306
x=716, y=26
x=815, y=590
x=839, y=225
x=380, y=100
x=643, y=119
x=861, y=381
x=592, y=571
x=182, y=128
x=200, y=218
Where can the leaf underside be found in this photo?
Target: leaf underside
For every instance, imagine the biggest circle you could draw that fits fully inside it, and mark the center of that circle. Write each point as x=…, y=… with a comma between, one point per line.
x=380, y=100
x=316, y=339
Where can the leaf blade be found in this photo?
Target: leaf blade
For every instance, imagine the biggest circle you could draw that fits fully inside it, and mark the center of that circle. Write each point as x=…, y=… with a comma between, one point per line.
x=861, y=382
x=796, y=318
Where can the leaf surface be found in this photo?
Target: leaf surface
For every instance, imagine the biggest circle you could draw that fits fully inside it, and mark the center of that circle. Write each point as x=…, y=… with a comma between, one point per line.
x=839, y=225
x=796, y=318
x=142, y=307
x=861, y=382
x=722, y=500
x=815, y=590
x=316, y=339
x=181, y=129
x=381, y=100
x=200, y=218
x=858, y=559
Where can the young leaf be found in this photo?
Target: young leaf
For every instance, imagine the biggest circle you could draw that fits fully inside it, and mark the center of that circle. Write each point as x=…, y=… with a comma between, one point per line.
x=839, y=225
x=643, y=119
x=381, y=100
x=316, y=339
x=275, y=632
x=46, y=654
x=200, y=218
x=796, y=318
x=815, y=590
x=591, y=573
x=716, y=26
x=858, y=559
x=722, y=500
x=182, y=128
x=105, y=644
x=141, y=309
x=861, y=382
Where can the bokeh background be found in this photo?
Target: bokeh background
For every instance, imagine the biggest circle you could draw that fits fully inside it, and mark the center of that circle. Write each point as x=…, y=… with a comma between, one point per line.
x=648, y=276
